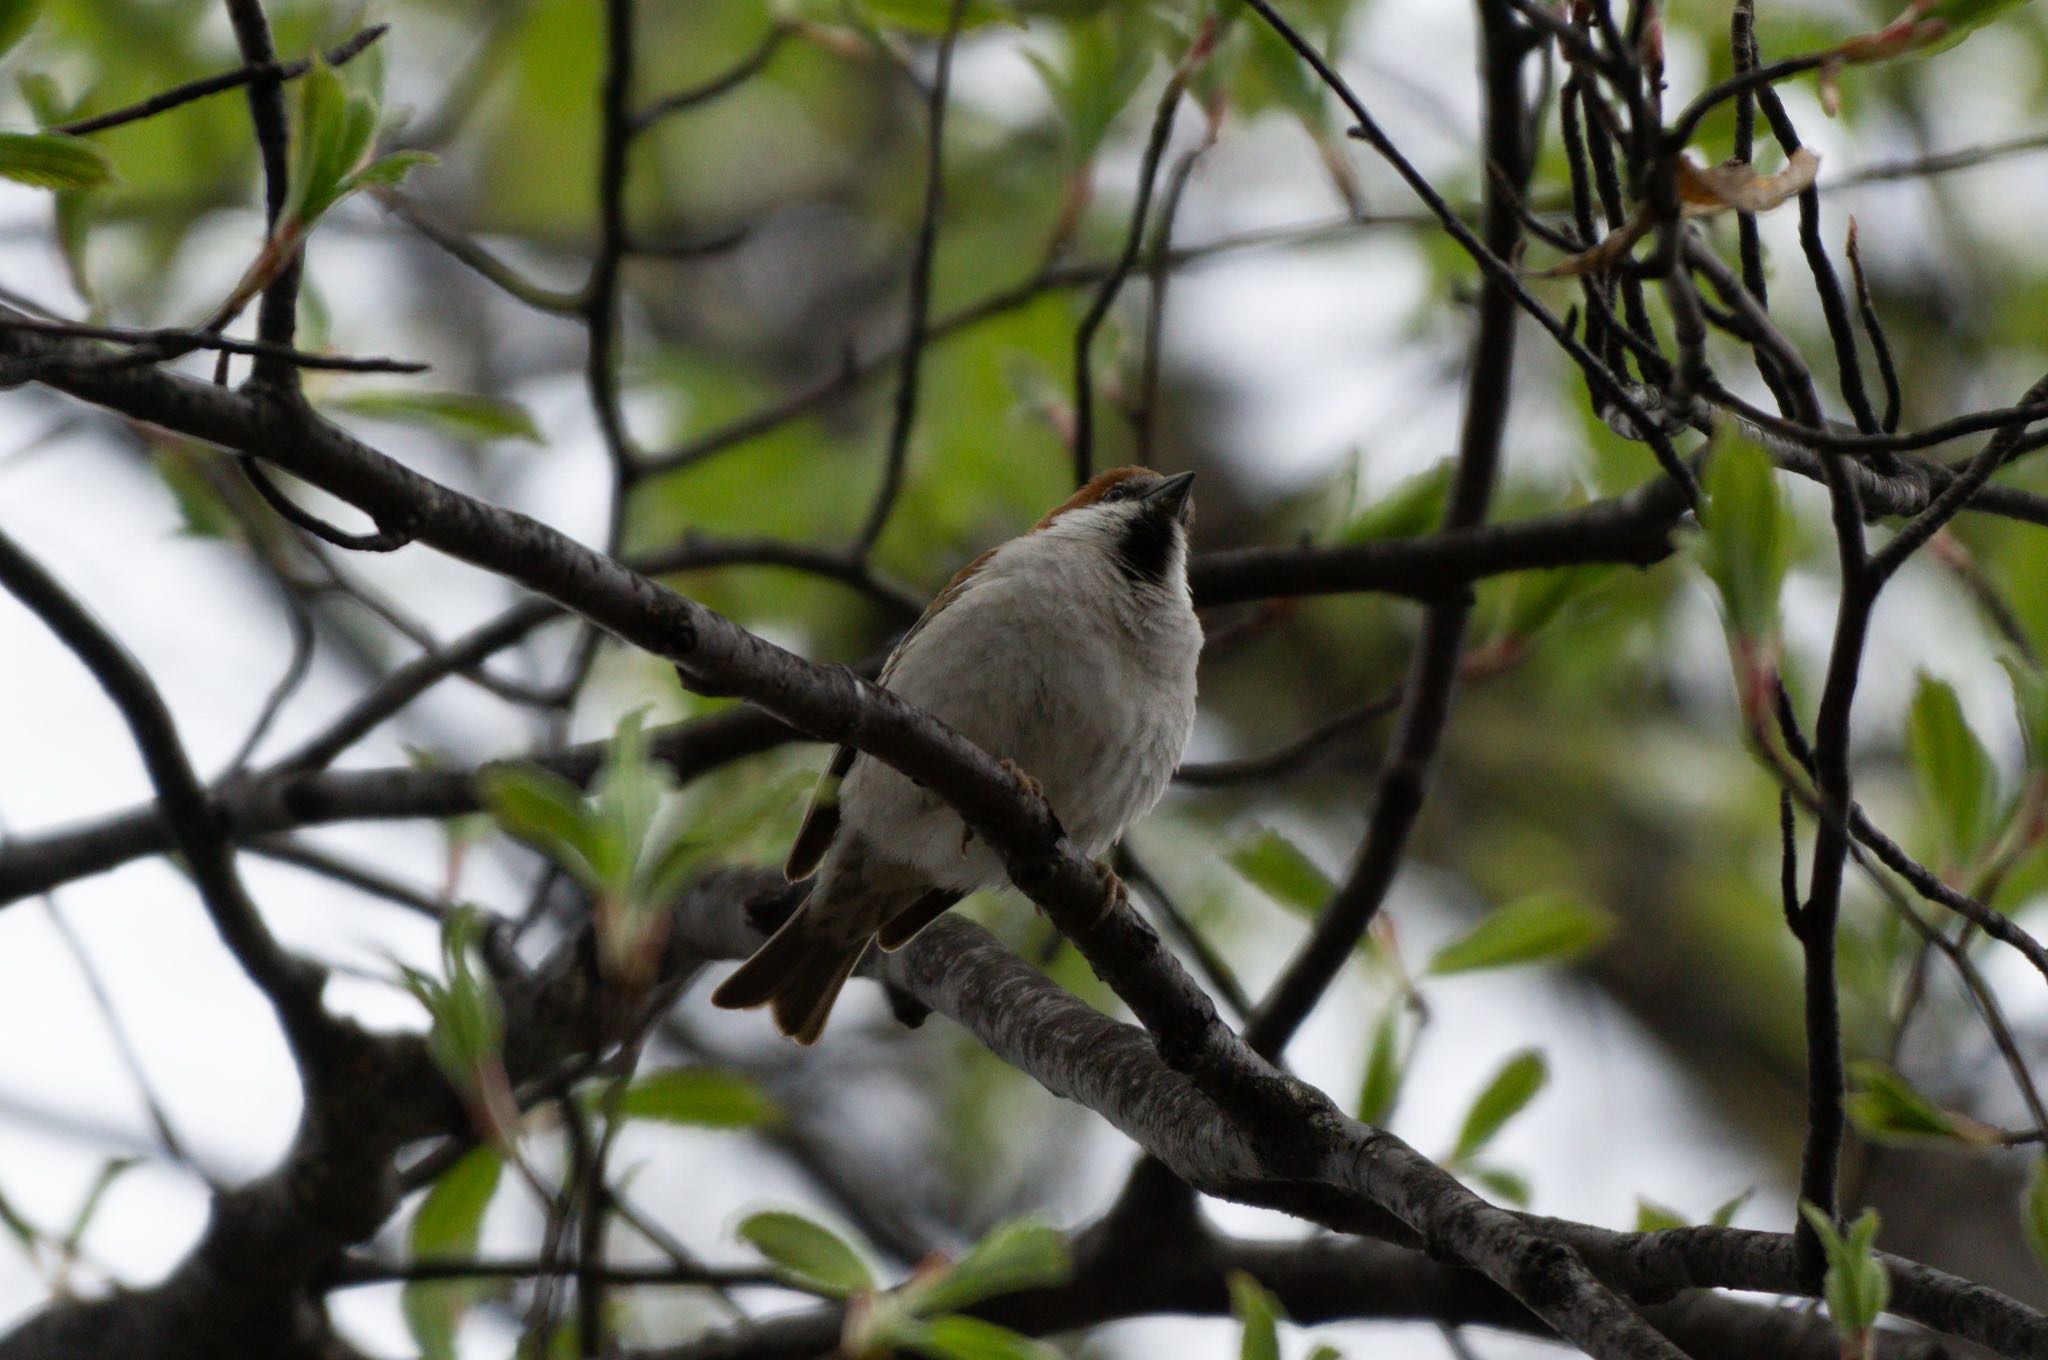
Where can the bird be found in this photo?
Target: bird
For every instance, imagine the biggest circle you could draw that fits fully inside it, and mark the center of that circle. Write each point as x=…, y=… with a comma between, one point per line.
x=1068, y=653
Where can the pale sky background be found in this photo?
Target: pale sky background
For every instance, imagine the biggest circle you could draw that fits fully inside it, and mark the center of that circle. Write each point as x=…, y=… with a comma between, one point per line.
x=1316, y=348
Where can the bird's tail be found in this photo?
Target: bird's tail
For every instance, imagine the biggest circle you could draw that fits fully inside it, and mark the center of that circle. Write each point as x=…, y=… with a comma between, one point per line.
x=797, y=973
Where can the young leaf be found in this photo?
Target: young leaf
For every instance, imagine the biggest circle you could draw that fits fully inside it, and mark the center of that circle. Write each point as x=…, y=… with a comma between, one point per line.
x=1259, y=1313
x=1724, y=1213
x=388, y=172
x=316, y=132
x=2034, y=1212
x=2030, y=701
x=1104, y=66
x=1277, y=867
x=721, y=831
x=808, y=1253
x=1511, y=1186
x=953, y=1337
x=456, y=414
x=446, y=1227
x=1885, y=1107
x=1547, y=927
x=202, y=512
x=699, y=1096
x=45, y=97
x=1856, y=1287
x=1654, y=1217
x=1958, y=783
x=469, y=1020
x=1382, y=1084
x=1747, y=540
x=1022, y=1254
x=1535, y=598
x=1410, y=508
x=929, y=17
x=16, y=17
x=1925, y=27
x=1513, y=1087
x=450, y=1218
x=52, y=160
x=546, y=811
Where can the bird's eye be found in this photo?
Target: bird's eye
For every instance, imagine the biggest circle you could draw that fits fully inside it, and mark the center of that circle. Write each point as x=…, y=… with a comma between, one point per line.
x=1120, y=492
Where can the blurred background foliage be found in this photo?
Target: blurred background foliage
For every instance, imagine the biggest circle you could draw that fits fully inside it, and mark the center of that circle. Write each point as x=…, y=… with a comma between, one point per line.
x=772, y=229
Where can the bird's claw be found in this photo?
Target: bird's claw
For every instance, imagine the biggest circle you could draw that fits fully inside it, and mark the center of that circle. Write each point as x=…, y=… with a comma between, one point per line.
x=1116, y=895
x=1031, y=786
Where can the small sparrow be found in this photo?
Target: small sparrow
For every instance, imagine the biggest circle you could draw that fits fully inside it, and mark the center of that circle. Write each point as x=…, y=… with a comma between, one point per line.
x=1069, y=654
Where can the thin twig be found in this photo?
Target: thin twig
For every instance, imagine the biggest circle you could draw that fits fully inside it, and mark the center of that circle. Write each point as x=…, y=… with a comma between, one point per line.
x=1126, y=260
x=187, y=340
x=271, y=71
x=923, y=256
x=726, y=81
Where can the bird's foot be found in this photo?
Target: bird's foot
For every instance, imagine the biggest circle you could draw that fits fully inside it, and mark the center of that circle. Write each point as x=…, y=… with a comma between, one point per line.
x=1024, y=781
x=1115, y=894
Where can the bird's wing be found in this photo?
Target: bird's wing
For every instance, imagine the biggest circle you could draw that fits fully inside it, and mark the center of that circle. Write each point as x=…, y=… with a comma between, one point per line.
x=821, y=818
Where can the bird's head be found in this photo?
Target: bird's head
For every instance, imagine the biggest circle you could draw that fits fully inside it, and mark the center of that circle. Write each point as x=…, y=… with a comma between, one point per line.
x=1136, y=516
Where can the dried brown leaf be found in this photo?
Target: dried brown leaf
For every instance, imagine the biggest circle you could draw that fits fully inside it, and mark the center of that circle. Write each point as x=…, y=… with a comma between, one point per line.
x=1734, y=186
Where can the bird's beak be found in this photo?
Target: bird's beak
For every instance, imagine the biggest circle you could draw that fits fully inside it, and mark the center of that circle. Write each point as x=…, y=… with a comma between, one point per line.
x=1170, y=497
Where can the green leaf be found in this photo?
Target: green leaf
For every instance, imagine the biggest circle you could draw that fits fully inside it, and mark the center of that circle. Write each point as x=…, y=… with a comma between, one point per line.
x=44, y=96
x=1508, y=1185
x=455, y=414
x=1104, y=66
x=1536, y=598
x=1513, y=1087
x=624, y=800
x=1381, y=1087
x=723, y=830
x=1272, y=69
x=546, y=811
x=52, y=160
x=468, y=1033
x=388, y=172
x=1958, y=783
x=1277, y=867
x=701, y=1097
x=451, y=1216
x=1725, y=1212
x=316, y=131
x=16, y=17
x=1414, y=506
x=808, y=1253
x=2034, y=1212
x=1259, y=1313
x=203, y=514
x=1024, y=1253
x=1325, y=1351
x=1926, y=28
x=1746, y=543
x=446, y=1227
x=928, y=17
x=2030, y=701
x=1654, y=1217
x=1856, y=1287
x=953, y=1337
x=1545, y=927
x=1885, y=1107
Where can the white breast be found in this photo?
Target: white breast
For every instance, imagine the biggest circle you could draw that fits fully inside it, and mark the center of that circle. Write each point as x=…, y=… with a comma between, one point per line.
x=1053, y=659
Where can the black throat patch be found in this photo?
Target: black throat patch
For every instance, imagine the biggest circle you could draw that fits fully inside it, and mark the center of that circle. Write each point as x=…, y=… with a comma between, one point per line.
x=1144, y=548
